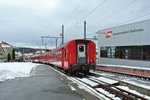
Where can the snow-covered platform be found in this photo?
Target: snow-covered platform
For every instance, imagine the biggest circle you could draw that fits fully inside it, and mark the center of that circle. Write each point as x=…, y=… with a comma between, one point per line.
x=43, y=84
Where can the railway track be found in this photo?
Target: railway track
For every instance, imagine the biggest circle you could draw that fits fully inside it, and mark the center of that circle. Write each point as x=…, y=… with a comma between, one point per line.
x=133, y=83
x=111, y=89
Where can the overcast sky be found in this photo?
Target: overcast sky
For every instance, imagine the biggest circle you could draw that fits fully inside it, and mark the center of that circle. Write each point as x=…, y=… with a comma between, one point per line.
x=23, y=22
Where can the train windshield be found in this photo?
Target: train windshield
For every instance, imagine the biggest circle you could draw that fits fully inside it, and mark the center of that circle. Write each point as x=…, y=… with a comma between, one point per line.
x=81, y=48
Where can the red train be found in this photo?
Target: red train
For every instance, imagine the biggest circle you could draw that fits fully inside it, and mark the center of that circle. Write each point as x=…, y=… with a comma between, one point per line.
x=73, y=57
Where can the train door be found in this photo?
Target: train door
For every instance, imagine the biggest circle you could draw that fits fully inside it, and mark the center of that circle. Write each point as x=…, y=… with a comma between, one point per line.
x=81, y=54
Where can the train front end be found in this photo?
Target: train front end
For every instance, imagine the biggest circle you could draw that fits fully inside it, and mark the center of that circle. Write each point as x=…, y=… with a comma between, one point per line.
x=85, y=57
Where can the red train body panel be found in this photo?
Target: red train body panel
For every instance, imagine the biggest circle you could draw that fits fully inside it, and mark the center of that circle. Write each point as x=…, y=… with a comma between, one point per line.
x=74, y=56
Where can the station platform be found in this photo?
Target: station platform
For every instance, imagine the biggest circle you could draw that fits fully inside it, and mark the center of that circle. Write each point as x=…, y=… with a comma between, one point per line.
x=44, y=84
x=127, y=67
x=132, y=70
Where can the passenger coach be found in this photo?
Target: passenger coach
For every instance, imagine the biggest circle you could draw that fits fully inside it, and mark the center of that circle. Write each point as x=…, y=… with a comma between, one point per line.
x=74, y=57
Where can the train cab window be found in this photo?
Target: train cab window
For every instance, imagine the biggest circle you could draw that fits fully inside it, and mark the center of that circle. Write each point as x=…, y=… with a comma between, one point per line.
x=81, y=48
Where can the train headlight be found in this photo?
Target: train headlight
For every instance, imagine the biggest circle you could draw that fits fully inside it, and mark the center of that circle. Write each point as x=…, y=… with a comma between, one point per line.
x=91, y=61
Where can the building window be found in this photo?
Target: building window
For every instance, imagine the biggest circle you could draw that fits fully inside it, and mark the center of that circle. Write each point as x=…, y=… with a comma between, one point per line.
x=126, y=52
x=108, y=52
x=146, y=52
x=103, y=52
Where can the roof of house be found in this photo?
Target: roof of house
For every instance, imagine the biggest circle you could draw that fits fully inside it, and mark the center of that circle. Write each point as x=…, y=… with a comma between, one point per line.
x=5, y=44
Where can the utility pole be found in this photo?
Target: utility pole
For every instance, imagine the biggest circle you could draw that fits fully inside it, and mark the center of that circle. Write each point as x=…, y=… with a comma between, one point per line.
x=45, y=47
x=62, y=34
x=56, y=42
x=42, y=39
x=51, y=37
x=85, y=30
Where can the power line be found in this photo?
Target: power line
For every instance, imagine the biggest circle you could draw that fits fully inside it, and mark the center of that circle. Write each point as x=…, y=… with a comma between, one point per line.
x=93, y=10
x=129, y=21
x=136, y=18
x=130, y=3
x=88, y=14
x=72, y=12
x=69, y=16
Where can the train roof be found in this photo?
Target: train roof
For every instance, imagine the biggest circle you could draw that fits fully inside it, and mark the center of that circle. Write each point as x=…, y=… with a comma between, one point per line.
x=69, y=42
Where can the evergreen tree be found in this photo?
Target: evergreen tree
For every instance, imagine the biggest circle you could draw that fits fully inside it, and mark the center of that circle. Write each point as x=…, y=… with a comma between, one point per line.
x=8, y=57
x=13, y=55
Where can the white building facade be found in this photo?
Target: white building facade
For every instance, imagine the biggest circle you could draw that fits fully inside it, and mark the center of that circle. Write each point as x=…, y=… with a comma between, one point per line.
x=125, y=45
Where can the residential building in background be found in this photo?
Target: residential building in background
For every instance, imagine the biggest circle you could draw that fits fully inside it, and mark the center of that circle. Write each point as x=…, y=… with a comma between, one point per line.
x=5, y=49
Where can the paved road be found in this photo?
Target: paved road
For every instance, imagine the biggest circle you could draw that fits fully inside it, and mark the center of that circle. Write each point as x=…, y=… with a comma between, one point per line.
x=44, y=85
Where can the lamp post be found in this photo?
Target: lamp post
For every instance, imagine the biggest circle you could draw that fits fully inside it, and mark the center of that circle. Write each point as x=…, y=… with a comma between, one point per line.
x=85, y=30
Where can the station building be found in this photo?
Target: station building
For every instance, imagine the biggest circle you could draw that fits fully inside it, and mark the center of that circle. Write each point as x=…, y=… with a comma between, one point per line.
x=125, y=45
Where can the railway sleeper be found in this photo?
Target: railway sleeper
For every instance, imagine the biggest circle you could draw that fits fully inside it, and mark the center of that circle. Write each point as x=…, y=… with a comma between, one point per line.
x=114, y=86
x=132, y=94
x=118, y=93
x=113, y=90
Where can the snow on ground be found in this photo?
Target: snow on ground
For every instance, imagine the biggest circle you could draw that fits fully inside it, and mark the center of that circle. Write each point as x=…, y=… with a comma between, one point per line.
x=72, y=88
x=108, y=94
x=91, y=83
x=146, y=86
x=15, y=69
x=134, y=92
x=131, y=80
x=106, y=80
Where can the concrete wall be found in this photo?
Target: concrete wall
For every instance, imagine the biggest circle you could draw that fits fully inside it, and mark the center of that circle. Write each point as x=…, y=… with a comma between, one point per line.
x=113, y=61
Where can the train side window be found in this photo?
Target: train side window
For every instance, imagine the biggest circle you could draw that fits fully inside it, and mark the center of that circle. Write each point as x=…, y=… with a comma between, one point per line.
x=81, y=48
x=65, y=53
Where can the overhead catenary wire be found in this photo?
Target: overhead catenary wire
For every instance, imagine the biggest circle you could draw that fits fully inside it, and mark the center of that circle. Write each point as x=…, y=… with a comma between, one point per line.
x=58, y=29
x=91, y=11
x=130, y=3
x=72, y=12
x=126, y=22
x=129, y=21
x=127, y=5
